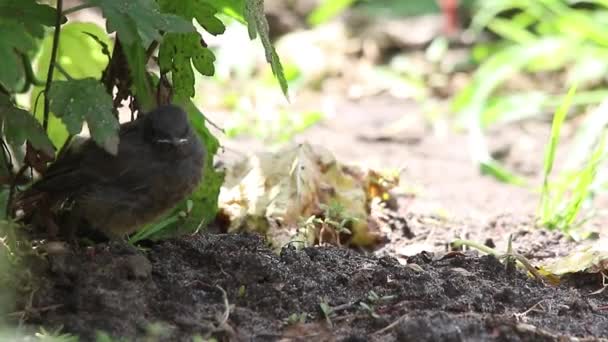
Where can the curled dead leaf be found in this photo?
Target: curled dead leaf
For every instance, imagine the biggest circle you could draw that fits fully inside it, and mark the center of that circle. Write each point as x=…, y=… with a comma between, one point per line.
x=280, y=194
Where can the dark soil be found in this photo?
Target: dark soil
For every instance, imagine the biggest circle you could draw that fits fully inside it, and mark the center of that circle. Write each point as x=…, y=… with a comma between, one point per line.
x=179, y=284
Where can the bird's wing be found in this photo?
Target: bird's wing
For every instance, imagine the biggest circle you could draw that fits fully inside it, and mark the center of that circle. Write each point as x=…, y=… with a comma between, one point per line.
x=87, y=164
x=129, y=171
x=64, y=173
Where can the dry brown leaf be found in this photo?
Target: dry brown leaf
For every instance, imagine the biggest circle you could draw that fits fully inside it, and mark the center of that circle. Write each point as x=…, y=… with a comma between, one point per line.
x=590, y=258
x=273, y=193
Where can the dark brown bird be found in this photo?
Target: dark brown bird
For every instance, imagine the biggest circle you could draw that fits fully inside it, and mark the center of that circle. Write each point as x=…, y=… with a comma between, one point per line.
x=159, y=163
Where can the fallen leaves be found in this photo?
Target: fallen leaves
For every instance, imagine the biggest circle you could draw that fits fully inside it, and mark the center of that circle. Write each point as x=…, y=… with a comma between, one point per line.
x=589, y=258
x=302, y=194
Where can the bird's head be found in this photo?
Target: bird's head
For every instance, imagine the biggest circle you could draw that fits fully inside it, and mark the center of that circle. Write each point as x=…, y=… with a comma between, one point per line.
x=167, y=125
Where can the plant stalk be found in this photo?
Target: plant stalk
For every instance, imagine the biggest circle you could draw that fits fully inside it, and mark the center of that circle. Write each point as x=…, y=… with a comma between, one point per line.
x=49, y=76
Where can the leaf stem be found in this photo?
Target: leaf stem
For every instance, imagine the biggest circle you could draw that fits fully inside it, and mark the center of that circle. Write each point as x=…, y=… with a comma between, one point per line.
x=482, y=248
x=49, y=75
x=6, y=156
x=63, y=72
x=29, y=74
x=75, y=8
x=150, y=49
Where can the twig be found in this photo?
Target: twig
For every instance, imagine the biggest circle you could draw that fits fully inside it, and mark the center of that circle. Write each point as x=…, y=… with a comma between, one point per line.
x=520, y=316
x=542, y=334
x=215, y=125
x=223, y=319
x=390, y=326
x=49, y=76
x=36, y=310
x=604, y=285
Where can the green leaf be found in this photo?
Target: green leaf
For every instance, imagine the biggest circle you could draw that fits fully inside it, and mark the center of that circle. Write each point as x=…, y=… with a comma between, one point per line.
x=76, y=101
x=32, y=15
x=258, y=25
x=18, y=125
x=21, y=24
x=153, y=229
x=80, y=55
x=11, y=69
x=136, y=57
x=179, y=52
x=176, y=54
x=500, y=173
x=558, y=120
x=139, y=18
x=204, y=11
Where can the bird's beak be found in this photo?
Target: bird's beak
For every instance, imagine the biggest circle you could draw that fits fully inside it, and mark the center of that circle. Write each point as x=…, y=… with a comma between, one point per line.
x=179, y=141
x=174, y=142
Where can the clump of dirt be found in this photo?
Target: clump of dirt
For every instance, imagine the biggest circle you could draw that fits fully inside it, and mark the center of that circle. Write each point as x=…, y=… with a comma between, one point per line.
x=235, y=288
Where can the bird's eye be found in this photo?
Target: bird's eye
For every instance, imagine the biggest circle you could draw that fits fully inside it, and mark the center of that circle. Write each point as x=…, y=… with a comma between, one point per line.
x=184, y=132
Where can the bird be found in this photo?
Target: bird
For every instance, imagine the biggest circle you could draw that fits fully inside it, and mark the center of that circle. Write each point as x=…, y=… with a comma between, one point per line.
x=159, y=163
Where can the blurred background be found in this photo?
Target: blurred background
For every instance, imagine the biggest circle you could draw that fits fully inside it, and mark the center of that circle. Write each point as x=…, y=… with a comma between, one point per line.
x=459, y=95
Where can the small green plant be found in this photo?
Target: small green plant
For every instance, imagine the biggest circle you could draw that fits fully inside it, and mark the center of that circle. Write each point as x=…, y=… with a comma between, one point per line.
x=510, y=257
x=327, y=311
x=562, y=201
x=372, y=300
x=54, y=336
x=297, y=318
x=333, y=221
x=200, y=339
x=242, y=291
x=102, y=336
